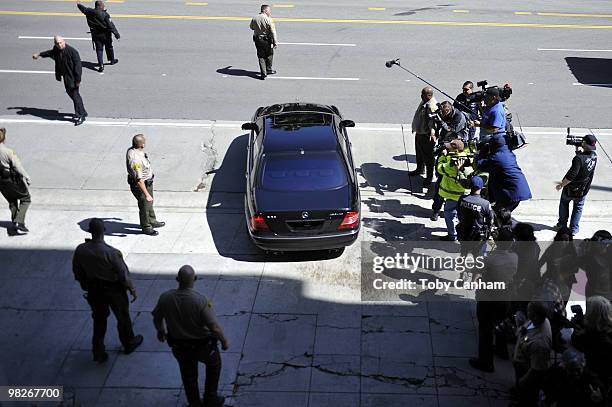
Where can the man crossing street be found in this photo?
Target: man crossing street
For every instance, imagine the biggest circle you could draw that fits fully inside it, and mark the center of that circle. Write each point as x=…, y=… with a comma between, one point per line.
x=102, y=28
x=69, y=68
x=264, y=37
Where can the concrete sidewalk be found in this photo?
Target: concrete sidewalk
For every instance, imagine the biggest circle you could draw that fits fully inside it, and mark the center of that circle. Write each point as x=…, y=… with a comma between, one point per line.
x=298, y=331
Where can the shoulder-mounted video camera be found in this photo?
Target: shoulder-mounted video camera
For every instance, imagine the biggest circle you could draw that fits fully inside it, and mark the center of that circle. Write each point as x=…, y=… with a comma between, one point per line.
x=479, y=96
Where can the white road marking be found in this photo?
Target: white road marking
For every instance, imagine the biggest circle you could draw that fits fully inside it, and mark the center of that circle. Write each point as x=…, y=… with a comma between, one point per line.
x=574, y=50
x=20, y=71
x=309, y=78
x=27, y=37
x=317, y=44
x=237, y=125
x=591, y=84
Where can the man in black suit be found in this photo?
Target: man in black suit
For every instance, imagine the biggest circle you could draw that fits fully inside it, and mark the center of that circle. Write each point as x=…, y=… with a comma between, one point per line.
x=67, y=66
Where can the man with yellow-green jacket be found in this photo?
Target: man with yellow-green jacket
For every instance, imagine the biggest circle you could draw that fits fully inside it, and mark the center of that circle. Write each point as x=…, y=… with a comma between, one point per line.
x=455, y=172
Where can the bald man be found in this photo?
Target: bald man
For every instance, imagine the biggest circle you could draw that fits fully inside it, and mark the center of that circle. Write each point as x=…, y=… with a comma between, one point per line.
x=185, y=319
x=140, y=179
x=424, y=131
x=69, y=68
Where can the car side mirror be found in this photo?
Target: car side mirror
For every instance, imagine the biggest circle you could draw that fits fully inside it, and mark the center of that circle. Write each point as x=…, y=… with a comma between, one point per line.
x=347, y=123
x=250, y=126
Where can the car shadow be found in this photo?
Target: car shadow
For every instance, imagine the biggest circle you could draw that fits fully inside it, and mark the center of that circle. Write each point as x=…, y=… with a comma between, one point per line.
x=228, y=70
x=47, y=114
x=591, y=71
x=384, y=179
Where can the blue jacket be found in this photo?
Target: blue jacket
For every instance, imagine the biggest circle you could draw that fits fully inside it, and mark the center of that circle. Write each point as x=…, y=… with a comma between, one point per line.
x=507, y=183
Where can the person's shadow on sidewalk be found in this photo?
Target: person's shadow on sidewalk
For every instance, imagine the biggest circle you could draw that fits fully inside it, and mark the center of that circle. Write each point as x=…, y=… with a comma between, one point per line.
x=46, y=114
x=92, y=66
x=228, y=70
x=112, y=227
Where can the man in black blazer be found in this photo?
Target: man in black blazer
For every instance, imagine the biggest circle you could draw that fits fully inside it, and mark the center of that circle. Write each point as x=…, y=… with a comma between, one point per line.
x=67, y=66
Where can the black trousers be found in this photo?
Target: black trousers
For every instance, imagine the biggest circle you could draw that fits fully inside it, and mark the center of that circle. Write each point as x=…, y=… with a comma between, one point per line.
x=188, y=354
x=265, y=54
x=79, y=108
x=101, y=42
x=489, y=314
x=424, y=147
x=18, y=198
x=103, y=297
x=438, y=201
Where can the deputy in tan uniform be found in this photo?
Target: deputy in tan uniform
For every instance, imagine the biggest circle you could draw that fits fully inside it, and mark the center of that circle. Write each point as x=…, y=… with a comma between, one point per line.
x=264, y=37
x=185, y=319
x=14, y=182
x=140, y=179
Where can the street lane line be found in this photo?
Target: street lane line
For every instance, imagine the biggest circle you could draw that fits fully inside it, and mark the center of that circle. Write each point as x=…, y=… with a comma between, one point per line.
x=461, y=11
x=592, y=84
x=316, y=20
x=575, y=15
x=196, y=4
x=72, y=1
x=377, y=8
x=20, y=71
x=27, y=37
x=574, y=50
x=523, y=13
x=310, y=78
x=317, y=44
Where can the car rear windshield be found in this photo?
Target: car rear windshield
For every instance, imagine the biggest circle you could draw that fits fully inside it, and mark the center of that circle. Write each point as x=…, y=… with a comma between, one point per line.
x=303, y=171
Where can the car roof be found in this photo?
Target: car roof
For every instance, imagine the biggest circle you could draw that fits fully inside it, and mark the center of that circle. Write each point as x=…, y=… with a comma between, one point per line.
x=280, y=135
x=296, y=107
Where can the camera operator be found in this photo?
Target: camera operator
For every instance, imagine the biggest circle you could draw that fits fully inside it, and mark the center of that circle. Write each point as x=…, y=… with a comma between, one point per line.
x=455, y=168
x=507, y=183
x=493, y=123
x=453, y=125
x=467, y=103
x=594, y=339
x=423, y=127
x=576, y=183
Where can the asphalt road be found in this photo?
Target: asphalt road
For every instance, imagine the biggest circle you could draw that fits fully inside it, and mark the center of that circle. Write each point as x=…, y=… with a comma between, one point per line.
x=178, y=62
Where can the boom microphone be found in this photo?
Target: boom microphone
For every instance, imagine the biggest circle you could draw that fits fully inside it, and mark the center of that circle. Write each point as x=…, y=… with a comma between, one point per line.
x=392, y=62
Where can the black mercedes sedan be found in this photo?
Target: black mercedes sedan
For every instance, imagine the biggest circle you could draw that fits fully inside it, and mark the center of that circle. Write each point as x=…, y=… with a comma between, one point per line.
x=301, y=187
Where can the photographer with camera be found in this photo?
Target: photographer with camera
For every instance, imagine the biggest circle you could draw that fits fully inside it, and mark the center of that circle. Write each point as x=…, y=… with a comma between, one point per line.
x=452, y=124
x=507, y=183
x=594, y=338
x=467, y=102
x=423, y=127
x=455, y=169
x=577, y=182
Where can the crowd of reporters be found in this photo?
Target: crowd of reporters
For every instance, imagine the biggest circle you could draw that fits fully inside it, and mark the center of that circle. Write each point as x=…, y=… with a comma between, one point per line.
x=558, y=361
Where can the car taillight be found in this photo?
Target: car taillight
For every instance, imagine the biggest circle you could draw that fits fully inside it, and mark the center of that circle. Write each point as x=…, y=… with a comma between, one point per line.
x=258, y=222
x=350, y=221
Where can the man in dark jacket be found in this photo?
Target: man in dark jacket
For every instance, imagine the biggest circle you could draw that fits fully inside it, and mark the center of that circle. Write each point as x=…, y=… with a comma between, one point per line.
x=576, y=183
x=67, y=66
x=101, y=27
x=507, y=183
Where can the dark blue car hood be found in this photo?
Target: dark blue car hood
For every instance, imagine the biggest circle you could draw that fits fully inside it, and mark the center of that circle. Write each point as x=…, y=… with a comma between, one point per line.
x=280, y=201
